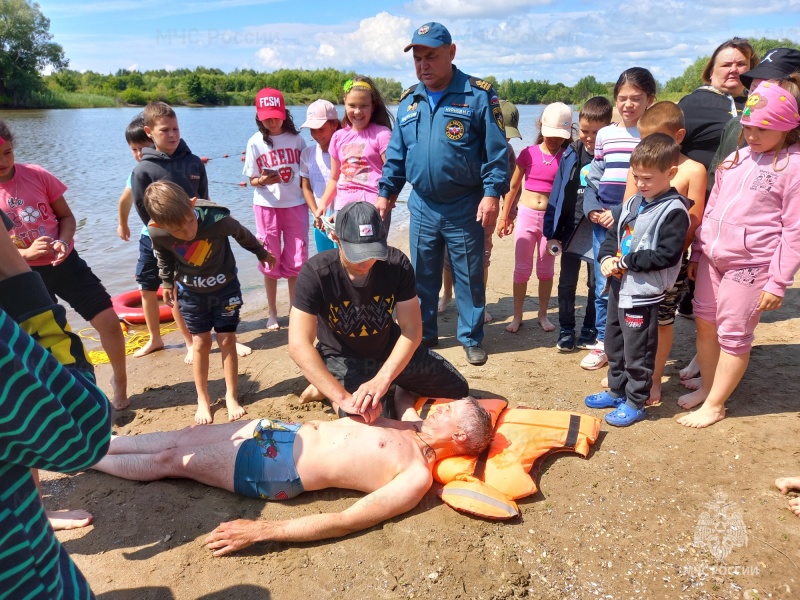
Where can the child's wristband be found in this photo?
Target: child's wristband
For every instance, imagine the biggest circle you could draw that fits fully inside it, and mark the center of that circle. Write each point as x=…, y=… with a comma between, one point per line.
x=66, y=245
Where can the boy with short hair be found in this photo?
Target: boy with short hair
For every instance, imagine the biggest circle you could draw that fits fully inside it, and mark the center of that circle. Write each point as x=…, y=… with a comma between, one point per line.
x=565, y=223
x=690, y=181
x=641, y=257
x=172, y=160
x=191, y=240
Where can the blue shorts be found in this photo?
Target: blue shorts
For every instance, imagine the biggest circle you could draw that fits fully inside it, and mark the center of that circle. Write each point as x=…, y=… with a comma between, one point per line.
x=147, y=266
x=265, y=465
x=219, y=309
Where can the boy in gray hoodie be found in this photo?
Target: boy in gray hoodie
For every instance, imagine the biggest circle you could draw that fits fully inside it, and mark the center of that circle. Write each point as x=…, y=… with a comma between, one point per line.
x=641, y=257
x=190, y=238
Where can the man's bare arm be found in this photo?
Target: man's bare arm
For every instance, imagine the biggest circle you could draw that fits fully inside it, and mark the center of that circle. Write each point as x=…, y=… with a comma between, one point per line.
x=395, y=498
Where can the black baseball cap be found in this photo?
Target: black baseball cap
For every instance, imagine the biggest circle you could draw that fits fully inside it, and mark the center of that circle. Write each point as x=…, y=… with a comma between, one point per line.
x=360, y=232
x=778, y=63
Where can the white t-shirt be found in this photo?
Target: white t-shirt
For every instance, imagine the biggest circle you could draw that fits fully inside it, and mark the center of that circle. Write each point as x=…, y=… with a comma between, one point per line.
x=315, y=165
x=284, y=157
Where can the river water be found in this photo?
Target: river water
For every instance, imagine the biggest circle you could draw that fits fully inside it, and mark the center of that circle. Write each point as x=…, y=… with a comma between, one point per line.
x=86, y=149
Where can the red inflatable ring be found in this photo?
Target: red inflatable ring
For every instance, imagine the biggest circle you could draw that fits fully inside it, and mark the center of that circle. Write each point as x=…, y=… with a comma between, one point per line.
x=128, y=307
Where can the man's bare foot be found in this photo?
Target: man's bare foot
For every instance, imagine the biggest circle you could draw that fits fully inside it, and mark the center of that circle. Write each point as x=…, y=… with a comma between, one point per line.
x=311, y=394
x=692, y=399
x=243, y=350
x=119, y=400
x=487, y=318
x=444, y=302
x=545, y=323
x=514, y=326
x=235, y=410
x=203, y=414
x=189, y=358
x=272, y=323
x=691, y=370
x=692, y=384
x=149, y=348
x=655, y=394
x=703, y=417
x=61, y=520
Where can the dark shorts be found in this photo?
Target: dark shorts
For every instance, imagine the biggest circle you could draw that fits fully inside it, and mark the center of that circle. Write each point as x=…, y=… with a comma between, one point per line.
x=147, y=266
x=265, y=464
x=426, y=374
x=218, y=310
x=74, y=282
x=668, y=306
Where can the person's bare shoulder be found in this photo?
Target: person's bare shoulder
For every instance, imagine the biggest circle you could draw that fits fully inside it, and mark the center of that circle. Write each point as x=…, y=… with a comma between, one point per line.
x=691, y=168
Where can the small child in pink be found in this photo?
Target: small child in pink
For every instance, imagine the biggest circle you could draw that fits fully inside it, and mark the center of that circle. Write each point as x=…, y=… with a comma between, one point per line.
x=272, y=162
x=747, y=249
x=538, y=164
x=358, y=150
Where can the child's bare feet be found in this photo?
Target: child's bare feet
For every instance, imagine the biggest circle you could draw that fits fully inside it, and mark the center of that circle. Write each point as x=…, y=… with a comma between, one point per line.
x=119, y=400
x=272, y=323
x=695, y=383
x=149, y=348
x=692, y=399
x=691, y=370
x=311, y=394
x=243, y=350
x=203, y=414
x=61, y=520
x=604, y=382
x=189, y=358
x=545, y=323
x=784, y=484
x=444, y=302
x=235, y=410
x=514, y=326
x=487, y=318
x=703, y=417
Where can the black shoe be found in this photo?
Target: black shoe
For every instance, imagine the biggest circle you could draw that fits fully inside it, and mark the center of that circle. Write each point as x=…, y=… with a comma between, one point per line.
x=587, y=339
x=475, y=355
x=566, y=340
x=431, y=343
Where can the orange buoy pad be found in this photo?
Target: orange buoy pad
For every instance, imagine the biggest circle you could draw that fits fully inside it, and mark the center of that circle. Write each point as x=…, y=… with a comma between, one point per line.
x=225, y=155
x=243, y=183
x=243, y=159
x=128, y=306
x=205, y=159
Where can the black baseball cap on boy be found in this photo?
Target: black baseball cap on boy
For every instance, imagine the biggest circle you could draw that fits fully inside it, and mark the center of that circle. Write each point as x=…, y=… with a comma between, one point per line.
x=360, y=232
x=778, y=63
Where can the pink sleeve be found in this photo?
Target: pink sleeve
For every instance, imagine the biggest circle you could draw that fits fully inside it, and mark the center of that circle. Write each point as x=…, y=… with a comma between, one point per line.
x=54, y=188
x=697, y=249
x=333, y=147
x=524, y=159
x=382, y=137
x=786, y=260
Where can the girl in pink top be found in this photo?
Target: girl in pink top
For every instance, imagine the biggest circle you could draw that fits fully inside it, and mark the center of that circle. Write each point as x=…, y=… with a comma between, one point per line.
x=43, y=230
x=538, y=165
x=747, y=249
x=358, y=150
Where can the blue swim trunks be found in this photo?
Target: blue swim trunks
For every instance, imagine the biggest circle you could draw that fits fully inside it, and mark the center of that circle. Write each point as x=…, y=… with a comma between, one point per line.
x=265, y=465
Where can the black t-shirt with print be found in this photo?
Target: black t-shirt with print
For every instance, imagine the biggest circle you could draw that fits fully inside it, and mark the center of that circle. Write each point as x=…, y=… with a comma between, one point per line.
x=352, y=321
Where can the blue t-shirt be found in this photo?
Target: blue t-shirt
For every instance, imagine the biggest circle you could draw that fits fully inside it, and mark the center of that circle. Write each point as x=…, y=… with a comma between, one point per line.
x=434, y=97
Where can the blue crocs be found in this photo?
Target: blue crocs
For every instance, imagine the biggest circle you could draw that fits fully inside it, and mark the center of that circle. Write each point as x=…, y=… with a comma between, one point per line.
x=625, y=415
x=604, y=400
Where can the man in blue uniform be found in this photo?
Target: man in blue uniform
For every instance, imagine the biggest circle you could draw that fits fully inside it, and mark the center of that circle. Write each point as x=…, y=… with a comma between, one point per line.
x=449, y=144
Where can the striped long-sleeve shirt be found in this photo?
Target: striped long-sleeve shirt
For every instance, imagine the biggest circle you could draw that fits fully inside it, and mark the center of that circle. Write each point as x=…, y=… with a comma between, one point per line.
x=52, y=417
x=608, y=173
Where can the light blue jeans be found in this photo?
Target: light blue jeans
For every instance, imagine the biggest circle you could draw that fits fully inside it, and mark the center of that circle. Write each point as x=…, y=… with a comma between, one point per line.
x=600, y=298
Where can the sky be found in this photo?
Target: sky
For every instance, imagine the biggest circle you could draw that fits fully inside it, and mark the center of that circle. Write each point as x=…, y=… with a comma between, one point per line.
x=557, y=41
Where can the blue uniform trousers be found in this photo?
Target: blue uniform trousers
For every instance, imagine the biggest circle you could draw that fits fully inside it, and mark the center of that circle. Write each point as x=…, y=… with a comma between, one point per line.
x=432, y=226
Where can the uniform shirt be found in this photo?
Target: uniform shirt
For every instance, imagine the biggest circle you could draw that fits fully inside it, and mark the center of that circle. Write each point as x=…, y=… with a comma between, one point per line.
x=455, y=151
x=283, y=157
x=355, y=321
x=26, y=199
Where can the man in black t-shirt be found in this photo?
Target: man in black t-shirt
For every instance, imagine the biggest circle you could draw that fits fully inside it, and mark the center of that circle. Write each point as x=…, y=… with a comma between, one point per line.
x=348, y=299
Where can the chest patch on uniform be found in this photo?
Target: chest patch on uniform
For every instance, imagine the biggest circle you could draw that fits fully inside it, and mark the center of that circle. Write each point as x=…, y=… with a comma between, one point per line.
x=411, y=107
x=409, y=117
x=454, y=129
x=497, y=113
x=461, y=112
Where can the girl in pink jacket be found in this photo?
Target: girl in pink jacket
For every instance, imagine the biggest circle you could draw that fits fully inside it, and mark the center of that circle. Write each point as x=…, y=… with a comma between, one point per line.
x=747, y=249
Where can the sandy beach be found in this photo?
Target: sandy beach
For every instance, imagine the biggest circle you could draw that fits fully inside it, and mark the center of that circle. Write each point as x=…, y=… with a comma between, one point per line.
x=619, y=525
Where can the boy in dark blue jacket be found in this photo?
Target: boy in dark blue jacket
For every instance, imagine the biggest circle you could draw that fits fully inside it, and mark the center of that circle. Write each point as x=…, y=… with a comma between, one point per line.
x=565, y=224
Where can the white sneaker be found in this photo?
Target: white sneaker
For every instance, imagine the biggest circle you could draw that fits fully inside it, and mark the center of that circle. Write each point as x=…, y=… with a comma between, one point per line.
x=596, y=359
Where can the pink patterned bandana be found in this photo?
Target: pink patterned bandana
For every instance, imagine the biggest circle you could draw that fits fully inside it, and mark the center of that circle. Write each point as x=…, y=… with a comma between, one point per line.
x=769, y=106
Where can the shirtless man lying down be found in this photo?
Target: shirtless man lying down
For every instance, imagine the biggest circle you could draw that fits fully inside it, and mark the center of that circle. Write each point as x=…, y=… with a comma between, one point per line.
x=274, y=460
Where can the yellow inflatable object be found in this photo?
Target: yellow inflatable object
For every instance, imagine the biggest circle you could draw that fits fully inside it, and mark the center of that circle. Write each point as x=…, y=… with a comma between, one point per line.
x=488, y=485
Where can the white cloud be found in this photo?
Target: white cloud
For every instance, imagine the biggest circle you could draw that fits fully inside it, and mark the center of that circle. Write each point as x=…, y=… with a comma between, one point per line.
x=270, y=59
x=465, y=9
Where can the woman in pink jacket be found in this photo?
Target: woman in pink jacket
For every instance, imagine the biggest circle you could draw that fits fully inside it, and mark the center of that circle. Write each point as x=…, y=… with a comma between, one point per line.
x=747, y=249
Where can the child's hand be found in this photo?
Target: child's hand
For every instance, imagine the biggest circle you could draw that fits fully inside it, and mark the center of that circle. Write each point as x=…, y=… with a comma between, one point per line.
x=767, y=301
x=168, y=297
x=609, y=266
x=691, y=271
x=40, y=248
x=124, y=232
x=60, y=248
x=269, y=177
x=606, y=219
x=505, y=226
x=269, y=261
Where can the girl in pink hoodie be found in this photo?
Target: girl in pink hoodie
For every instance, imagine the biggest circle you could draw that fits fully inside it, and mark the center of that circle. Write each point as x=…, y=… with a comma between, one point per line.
x=747, y=249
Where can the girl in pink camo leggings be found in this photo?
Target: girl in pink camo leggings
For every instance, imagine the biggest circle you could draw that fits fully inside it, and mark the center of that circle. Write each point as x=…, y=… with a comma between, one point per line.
x=747, y=249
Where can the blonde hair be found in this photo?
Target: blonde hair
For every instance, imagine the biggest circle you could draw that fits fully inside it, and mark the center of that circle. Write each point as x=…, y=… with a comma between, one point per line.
x=167, y=204
x=155, y=111
x=792, y=85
